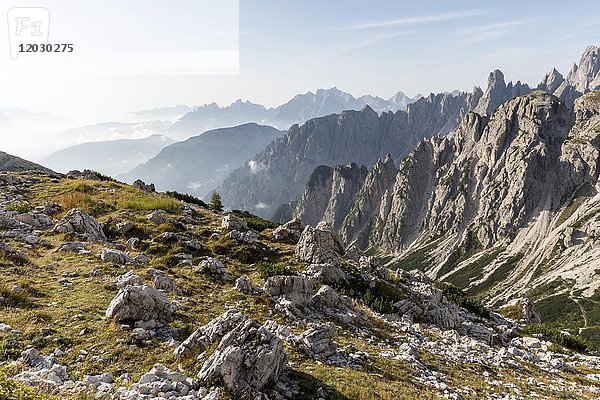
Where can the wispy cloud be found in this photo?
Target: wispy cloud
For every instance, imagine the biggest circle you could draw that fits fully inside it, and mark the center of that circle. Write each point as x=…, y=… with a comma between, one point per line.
x=484, y=33
x=367, y=43
x=412, y=20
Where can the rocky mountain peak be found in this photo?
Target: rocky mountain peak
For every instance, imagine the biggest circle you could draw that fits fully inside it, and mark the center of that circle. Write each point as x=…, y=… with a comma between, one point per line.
x=498, y=91
x=582, y=78
x=368, y=110
x=551, y=81
x=589, y=65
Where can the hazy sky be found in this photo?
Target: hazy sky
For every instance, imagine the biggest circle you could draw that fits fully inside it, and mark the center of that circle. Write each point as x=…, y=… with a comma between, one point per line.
x=290, y=47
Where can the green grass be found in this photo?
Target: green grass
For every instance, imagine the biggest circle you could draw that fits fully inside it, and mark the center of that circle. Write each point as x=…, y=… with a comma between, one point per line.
x=462, y=277
x=18, y=206
x=255, y=222
x=149, y=203
x=500, y=273
x=267, y=269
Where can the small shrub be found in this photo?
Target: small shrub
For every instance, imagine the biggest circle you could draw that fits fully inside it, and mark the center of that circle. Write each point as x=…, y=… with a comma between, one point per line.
x=461, y=299
x=188, y=198
x=267, y=269
x=255, y=222
x=572, y=342
x=18, y=206
x=380, y=298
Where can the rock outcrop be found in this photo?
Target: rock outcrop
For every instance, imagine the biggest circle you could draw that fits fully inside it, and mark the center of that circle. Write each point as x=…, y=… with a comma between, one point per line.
x=249, y=360
x=319, y=245
x=232, y=223
x=482, y=187
x=140, y=303
x=78, y=222
x=290, y=231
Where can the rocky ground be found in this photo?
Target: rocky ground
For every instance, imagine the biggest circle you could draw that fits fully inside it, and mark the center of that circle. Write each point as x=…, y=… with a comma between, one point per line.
x=113, y=291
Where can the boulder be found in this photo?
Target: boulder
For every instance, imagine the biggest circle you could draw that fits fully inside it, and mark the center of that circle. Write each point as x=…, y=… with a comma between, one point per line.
x=203, y=337
x=248, y=361
x=325, y=273
x=317, y=342
x=115, y=257
x=141, y=259
x=297, y=289
x=133, y=243
x=244, y=285
x=530, y=314
x=71, y=247
x=290, y=231
x=7, y=221
x=161, y=382
x=140, y=303
x=232, y=223
x=326, y=297
x=128, y=279
x=43, y=371
x=214, y=267
x=77, y=221
x=163, y=282
x=319, y=246
x=37, y=221
x=249, y=237
x=157, y=216
x=125, y=226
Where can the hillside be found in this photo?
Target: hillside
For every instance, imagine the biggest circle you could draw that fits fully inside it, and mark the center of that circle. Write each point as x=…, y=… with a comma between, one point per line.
x=317, y=320
x=199, y=164
x=9, y=163
x=111, y=157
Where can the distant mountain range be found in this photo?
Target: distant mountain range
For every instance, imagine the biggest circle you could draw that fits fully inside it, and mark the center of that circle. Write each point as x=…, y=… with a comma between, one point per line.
x=191, y=123
x=200, y=164
x=298, y=110
x=161, y=113
x=111, y=157
x=363, y=137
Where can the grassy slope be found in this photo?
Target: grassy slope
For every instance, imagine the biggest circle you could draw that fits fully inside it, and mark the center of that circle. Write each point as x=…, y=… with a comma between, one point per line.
x=62, y=298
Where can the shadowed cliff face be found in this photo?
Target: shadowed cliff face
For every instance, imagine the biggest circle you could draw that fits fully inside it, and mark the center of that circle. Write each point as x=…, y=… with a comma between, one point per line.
x=353, y=136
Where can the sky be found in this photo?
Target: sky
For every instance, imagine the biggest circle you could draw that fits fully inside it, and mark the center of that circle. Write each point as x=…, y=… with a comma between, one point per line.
x=285, y=48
